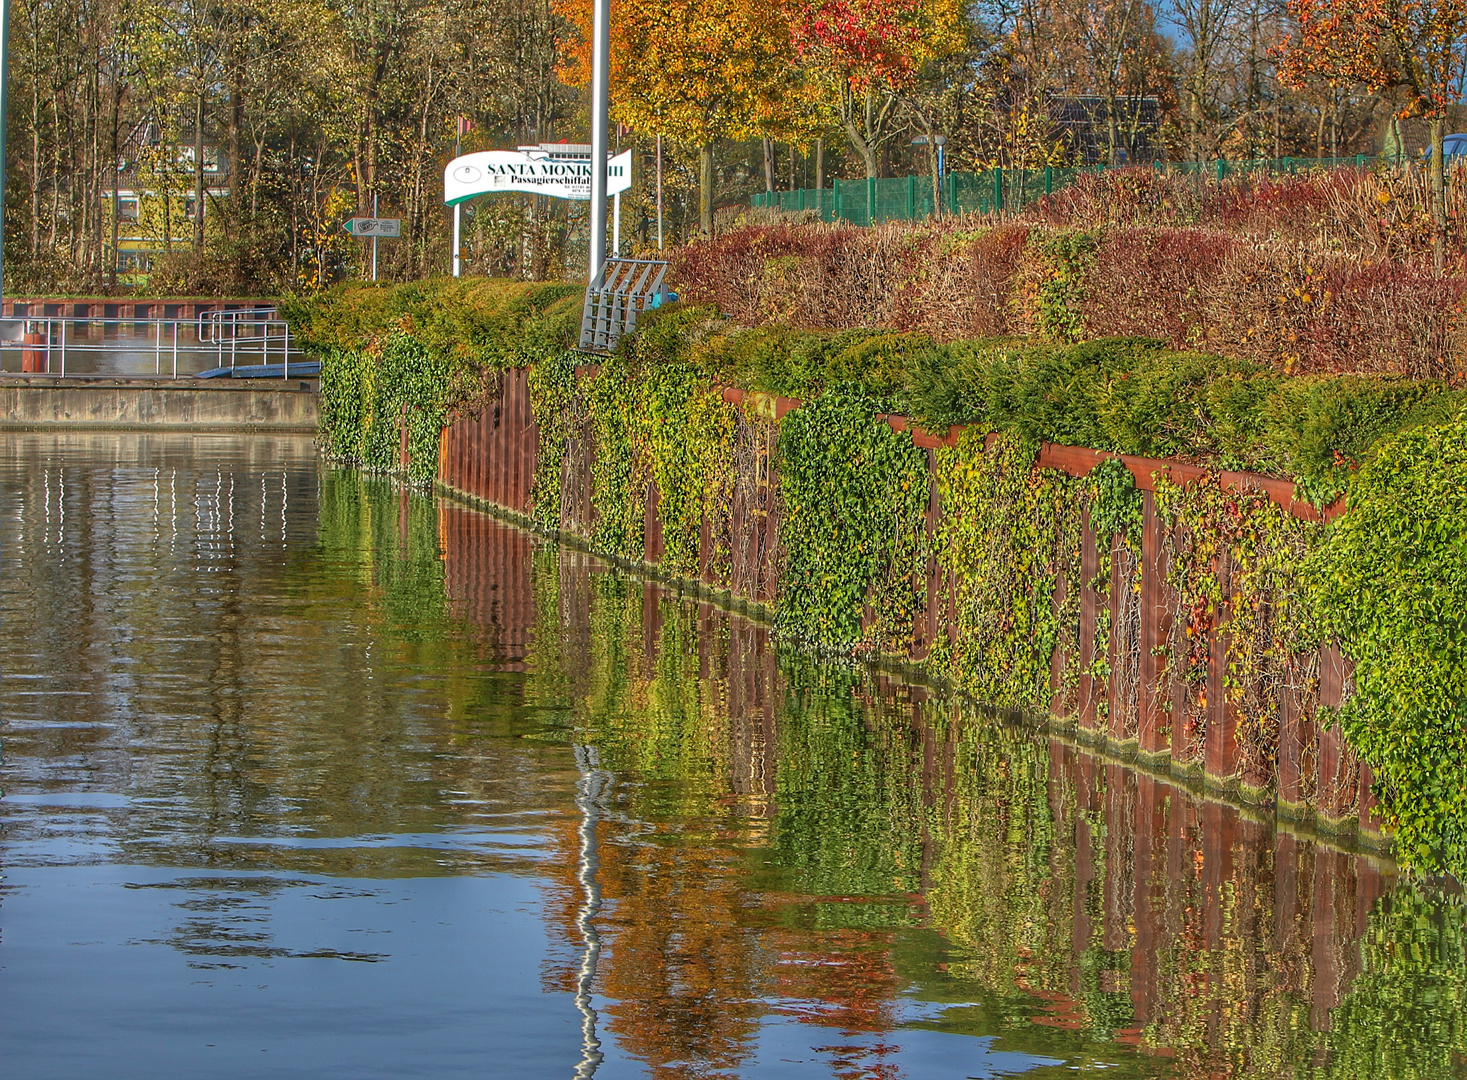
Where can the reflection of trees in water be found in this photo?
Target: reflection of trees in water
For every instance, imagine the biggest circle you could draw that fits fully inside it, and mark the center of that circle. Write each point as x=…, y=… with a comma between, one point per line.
x=1083, y=907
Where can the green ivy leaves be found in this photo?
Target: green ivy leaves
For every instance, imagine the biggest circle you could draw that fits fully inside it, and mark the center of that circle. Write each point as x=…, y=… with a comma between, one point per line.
x=368, y=397
x=1390, y=584
x=854, y=530
x=1009, y=533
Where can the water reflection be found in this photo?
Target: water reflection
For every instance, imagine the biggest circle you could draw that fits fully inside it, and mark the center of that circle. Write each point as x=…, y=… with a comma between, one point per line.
x=300, y=765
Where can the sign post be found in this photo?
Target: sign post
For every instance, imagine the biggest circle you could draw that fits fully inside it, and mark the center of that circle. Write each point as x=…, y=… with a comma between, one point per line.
x=457, y=212
x=389, y=228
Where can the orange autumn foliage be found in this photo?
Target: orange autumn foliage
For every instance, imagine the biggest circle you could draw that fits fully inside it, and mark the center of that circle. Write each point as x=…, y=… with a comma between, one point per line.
x=692, y=70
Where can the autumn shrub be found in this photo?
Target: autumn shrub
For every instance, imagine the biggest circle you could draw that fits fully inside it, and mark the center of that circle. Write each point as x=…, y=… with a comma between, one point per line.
x=1375, y=213
x=1293, y=308
x=1332, y=313
x=969, y=281
x=1151, y=281
x=225, y=266
x=940, y=279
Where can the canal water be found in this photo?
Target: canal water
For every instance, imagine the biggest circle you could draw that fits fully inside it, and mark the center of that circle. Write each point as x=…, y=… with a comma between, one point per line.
x=306, y=776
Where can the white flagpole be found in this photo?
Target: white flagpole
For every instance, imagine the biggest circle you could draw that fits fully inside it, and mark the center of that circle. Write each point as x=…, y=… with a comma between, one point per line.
x=600, y=105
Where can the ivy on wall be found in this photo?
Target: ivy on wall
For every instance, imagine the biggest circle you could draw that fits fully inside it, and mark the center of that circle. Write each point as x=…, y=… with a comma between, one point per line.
x=552, y=385
x=395, y=356
x=1114, y=504
x=369, y=396
x=1389, y=583
x=854, y=531
x=1008, y=538
x=1234, y=563
x=618, y=498
x=660, y=425
x=687, y=431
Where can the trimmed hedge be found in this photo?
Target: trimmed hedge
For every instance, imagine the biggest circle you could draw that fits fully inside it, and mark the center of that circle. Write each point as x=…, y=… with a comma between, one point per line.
x=395, y=356
x=486, y=322
x=1295, y=307
x=1129, y=395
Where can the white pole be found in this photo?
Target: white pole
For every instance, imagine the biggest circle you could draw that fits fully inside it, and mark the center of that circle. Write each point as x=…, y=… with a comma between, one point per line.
x=616, y=226
x=374, y=236
x=457, y=207
x=600, y=101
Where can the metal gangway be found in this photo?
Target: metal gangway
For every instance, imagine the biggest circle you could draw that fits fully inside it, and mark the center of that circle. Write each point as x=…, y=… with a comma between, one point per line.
x=624, y=289
x=241, y=344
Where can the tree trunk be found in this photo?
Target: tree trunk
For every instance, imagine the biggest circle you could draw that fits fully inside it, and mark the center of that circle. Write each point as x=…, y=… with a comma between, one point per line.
x=117, y=183
x=236, y=122
x=768, y=164
x=199, y=171
x=705, y=189
x=35, y=150
x=865, y=146
x=1438, y=192
x=819, y=164
x=867, y=152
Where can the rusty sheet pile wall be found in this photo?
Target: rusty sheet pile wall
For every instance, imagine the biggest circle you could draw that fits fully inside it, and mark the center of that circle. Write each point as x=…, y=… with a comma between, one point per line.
x=1131, y=702
x=1206, y=919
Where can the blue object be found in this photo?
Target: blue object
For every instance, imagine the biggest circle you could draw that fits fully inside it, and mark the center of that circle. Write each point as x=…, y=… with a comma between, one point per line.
x=1453, y=146
x=302, y=368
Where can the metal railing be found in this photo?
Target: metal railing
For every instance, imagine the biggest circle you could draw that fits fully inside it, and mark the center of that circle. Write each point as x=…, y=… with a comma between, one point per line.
x=908, y=198
x=213, y=344
x=252, y=326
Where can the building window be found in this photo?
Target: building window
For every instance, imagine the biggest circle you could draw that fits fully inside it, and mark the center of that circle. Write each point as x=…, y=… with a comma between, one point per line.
x=127, y=209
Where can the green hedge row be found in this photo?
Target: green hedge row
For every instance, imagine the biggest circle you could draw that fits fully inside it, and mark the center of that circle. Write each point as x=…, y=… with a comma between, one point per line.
x=395, y=356
x=488, y=323
x=1129, y=395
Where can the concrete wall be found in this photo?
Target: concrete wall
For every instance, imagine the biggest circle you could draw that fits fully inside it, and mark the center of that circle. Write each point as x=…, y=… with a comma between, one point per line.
x=170, y=404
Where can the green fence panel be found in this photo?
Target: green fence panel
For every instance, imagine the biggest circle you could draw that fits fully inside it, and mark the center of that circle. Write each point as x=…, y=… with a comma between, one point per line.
x=911, y=198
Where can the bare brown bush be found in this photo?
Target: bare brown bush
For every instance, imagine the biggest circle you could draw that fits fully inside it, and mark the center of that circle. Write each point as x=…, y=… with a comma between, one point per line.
x=1303, y=279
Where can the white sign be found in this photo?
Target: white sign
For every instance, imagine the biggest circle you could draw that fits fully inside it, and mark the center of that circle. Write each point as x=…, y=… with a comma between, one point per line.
x=536, y=172
x=374, y=226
